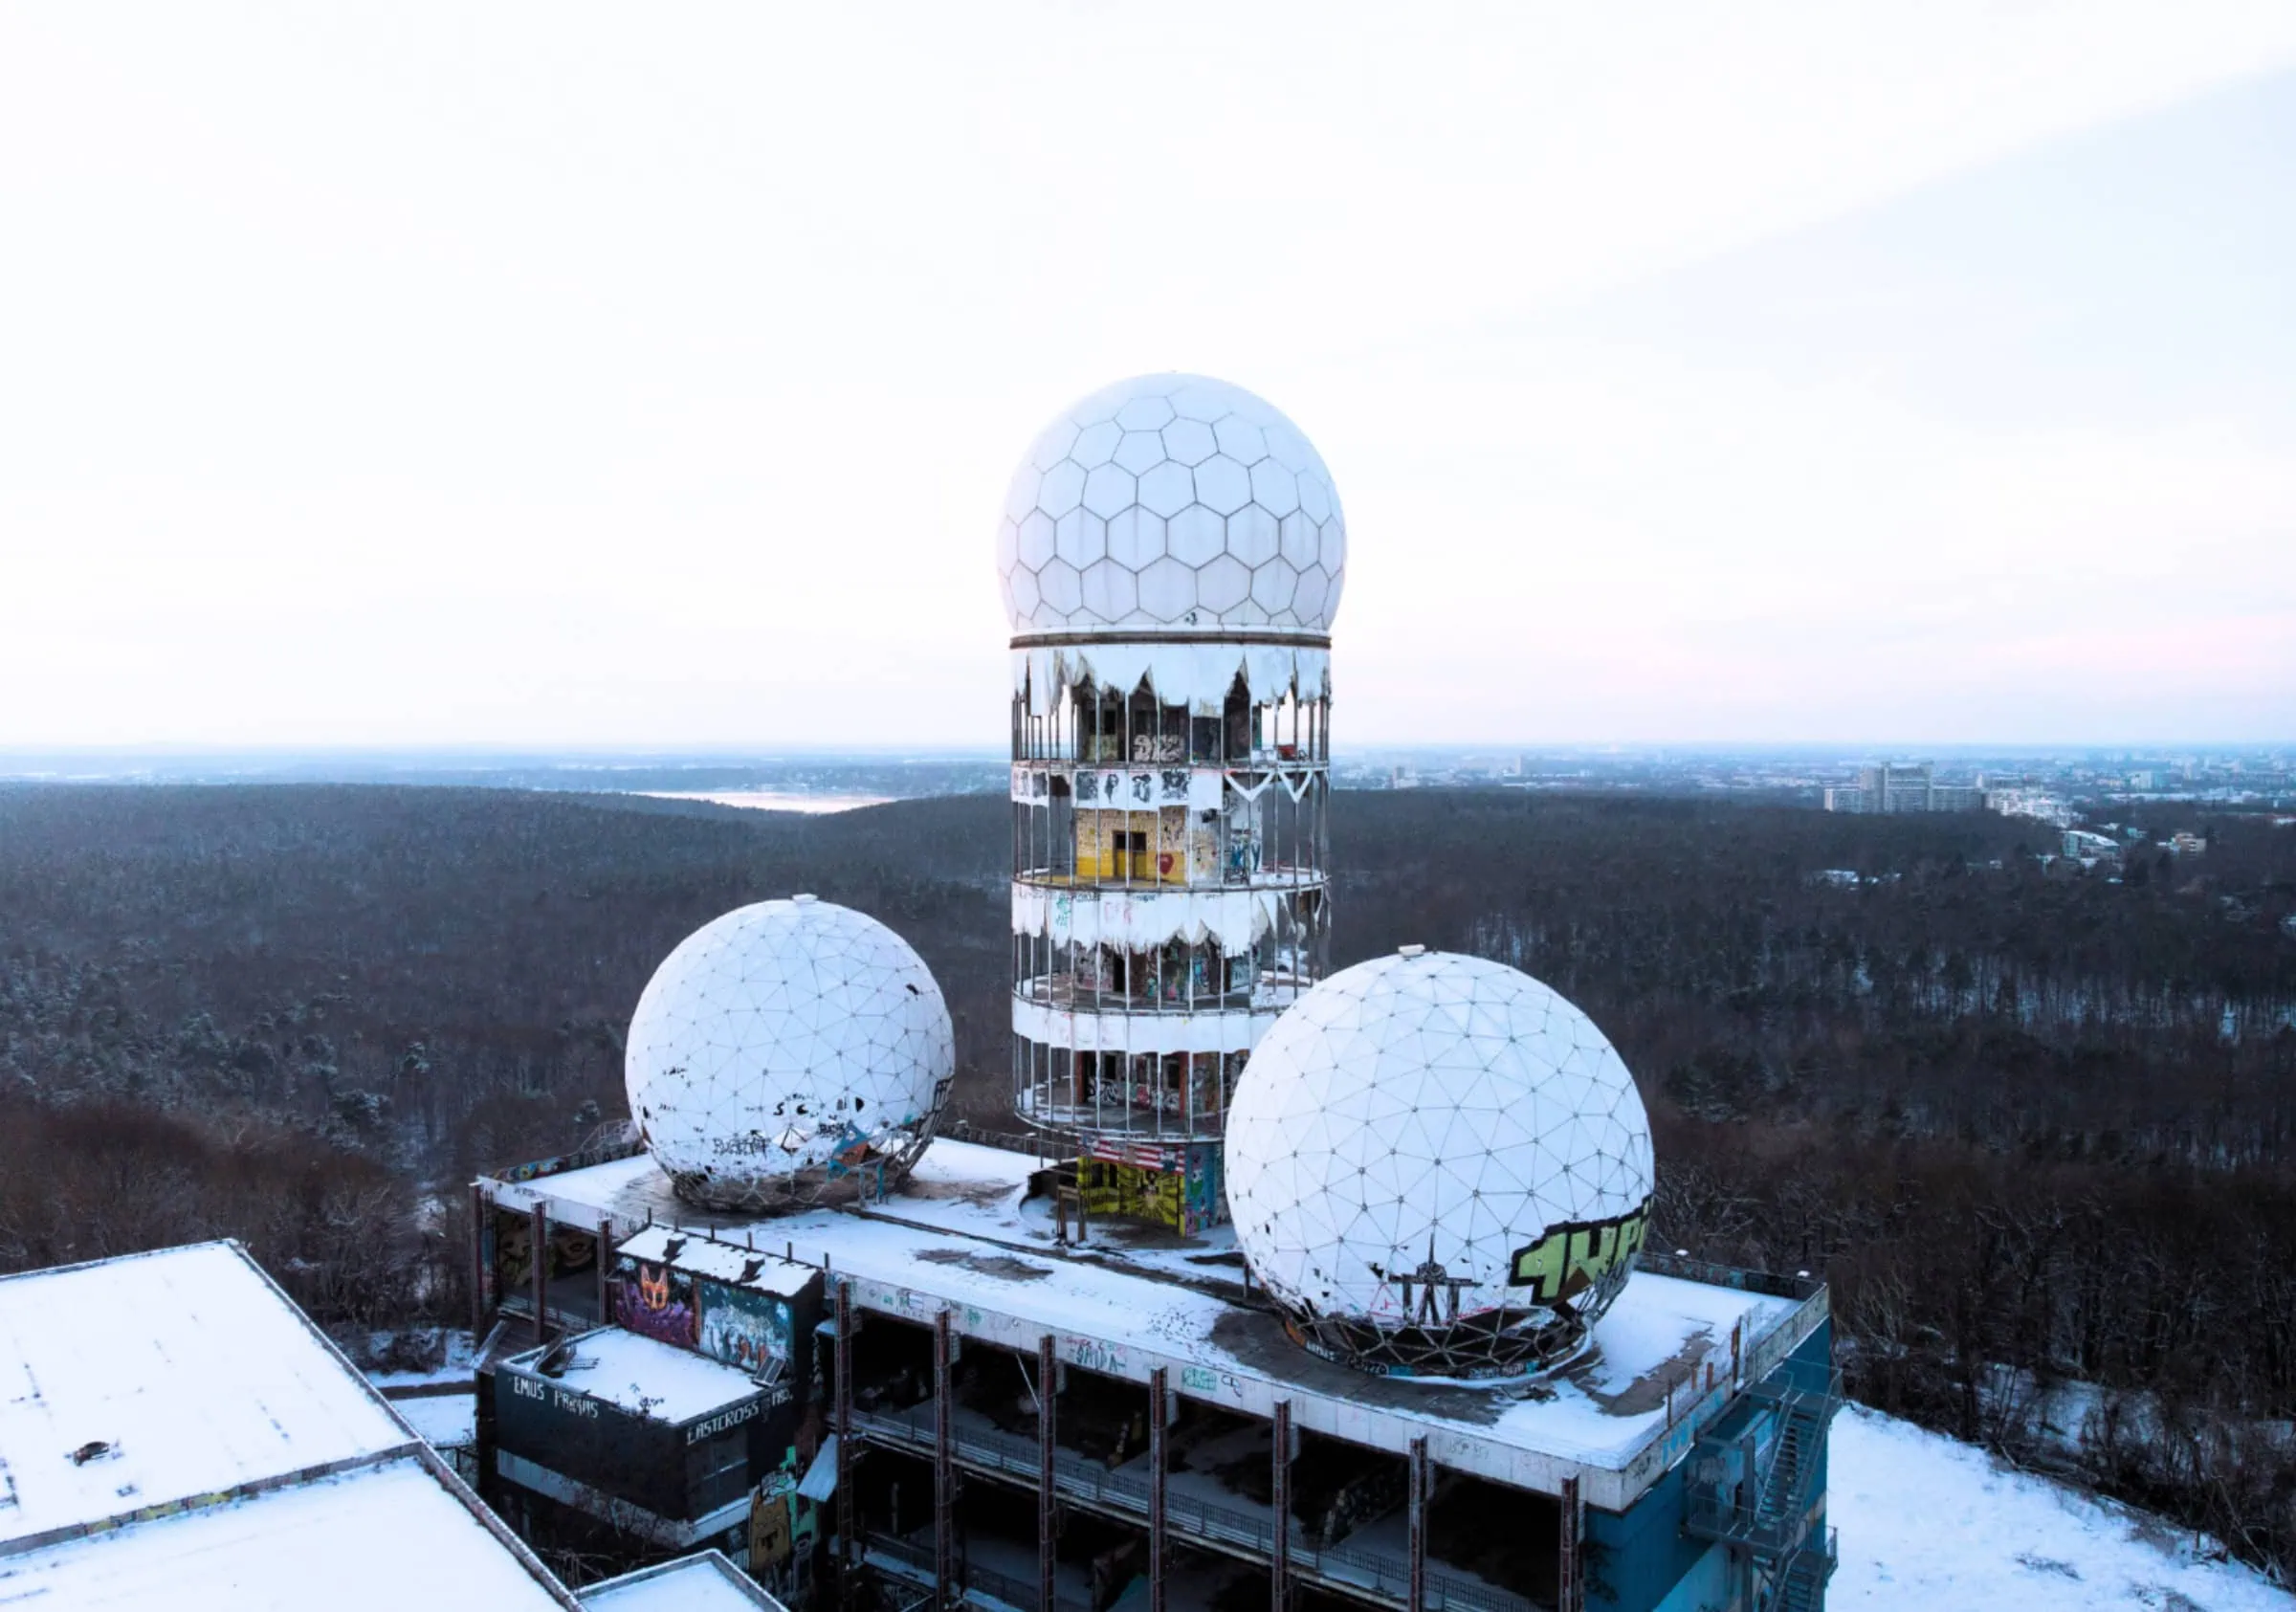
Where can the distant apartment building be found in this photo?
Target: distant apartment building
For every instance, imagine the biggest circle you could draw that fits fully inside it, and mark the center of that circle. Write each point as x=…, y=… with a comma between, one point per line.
x=2089, y=848
x=1903, y=787
x=2039, y=804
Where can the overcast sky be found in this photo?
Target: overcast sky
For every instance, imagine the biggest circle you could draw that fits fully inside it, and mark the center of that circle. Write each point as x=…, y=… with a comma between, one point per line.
x=575, y=376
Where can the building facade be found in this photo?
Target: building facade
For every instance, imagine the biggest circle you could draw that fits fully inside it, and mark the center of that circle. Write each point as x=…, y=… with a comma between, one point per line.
x=1903, y=787
x=980, y=1415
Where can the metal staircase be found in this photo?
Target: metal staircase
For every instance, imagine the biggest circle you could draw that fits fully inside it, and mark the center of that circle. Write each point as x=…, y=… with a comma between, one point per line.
x=1801, y=1586
x=1762, y=1505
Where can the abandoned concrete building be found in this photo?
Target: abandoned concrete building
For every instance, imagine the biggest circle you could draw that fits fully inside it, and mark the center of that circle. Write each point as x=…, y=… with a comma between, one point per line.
x=1301, y=1289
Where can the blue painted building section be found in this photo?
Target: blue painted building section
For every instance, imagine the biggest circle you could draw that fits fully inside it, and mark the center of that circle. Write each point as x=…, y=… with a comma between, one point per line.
x=1739, y=1525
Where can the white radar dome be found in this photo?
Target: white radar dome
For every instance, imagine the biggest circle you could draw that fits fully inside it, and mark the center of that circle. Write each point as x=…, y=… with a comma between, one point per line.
x=787, y=1053
x=1438, y=1167
x=1170, y=503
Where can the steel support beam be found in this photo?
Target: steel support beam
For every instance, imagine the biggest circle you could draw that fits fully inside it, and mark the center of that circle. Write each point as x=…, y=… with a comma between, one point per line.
x=605, y=1254
x=848, y=1558
x=1570, y=1585
x=1280, y=1497
x=1159, y=1408
x=944, y=1468
x=539, y=1236
x=1047, y=1433
x=1416, y=1598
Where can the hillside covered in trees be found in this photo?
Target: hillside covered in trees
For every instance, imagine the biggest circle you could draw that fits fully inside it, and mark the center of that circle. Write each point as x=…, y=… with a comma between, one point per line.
x=2038, y=1128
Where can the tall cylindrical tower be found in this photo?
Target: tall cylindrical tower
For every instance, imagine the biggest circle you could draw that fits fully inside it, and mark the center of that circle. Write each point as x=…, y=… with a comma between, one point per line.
x=1172, y=553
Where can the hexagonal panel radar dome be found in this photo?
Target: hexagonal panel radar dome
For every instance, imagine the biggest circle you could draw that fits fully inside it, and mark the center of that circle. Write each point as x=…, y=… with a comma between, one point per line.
x=1439, y=1167
x=1211, y=500
x=788, y=1053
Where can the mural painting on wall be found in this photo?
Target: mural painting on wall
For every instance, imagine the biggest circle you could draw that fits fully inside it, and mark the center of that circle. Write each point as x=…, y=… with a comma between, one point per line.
x=743, y=1329
x=655, y=1301
x=514, y=1249
x=569, y=1252
x=572, y=1252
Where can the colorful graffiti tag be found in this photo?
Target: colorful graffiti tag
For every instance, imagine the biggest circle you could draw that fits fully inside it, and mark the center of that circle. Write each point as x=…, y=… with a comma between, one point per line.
x=1570, y=1259
x=743, y=1329
x=655, y=1301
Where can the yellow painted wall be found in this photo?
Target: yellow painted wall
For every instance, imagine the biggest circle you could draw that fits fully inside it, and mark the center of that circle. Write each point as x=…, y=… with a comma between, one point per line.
x=1164, y=833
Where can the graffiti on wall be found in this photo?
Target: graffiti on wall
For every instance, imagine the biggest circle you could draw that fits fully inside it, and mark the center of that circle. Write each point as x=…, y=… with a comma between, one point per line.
x=745, y=1330
x=568, y=1249
x=655, y=1301
x=1570, y=1259
x=514, y=1249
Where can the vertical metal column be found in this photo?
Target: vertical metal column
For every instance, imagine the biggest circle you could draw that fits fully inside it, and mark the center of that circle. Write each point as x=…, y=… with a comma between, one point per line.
x=848, y=1556
x=945, y=1467
x=539, y=1237
x=1157, y=1405
x=1047, y=1432
x=1417, y=1602
x=1280, y=1496
x=480, y=1208
x=605, y=1251
x=1570, y=1589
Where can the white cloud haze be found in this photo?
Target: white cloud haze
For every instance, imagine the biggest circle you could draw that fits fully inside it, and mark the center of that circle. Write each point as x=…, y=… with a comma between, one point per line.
x=567, y=375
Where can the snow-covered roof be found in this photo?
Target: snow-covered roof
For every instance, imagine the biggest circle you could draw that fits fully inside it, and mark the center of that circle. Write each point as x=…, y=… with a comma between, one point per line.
x=175, y=1433
x=961, y=1235
x=730, y=1263
x=642, y=1377
x=377, y=1538
x=705, y=1582
x=139, y=1380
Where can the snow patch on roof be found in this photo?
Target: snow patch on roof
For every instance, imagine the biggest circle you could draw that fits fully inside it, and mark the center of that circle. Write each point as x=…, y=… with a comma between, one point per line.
x=641, y=1376
x=731, y=1263
x=138, y=1381
x=381, y=1539
x=705, y=1582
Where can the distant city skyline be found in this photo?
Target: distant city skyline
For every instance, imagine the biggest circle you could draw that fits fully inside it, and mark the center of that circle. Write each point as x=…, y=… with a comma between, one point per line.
x=547, y=382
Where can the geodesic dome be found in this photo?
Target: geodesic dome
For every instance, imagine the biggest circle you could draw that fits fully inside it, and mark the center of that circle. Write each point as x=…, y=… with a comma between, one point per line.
x=787, y=1053
x=1438, y=1167
x=1167, y=503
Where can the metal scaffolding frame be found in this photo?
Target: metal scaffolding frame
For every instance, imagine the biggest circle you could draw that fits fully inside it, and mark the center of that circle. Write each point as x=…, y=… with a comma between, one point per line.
x=1047, y=1435
x=1570, y=1584
x=539, y=1261
x=1416, y=1598
x=944, y=1465
x=1199, y=803
x=1159, y=1412
x=1280, y=1495
x=848, y=1553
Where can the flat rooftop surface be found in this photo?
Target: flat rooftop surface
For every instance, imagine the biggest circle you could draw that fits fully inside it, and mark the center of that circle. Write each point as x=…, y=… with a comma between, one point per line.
x=381, y=1539
x=962, y=1235
x=643, y=1377
x=702, y=1583
x=158, y=1377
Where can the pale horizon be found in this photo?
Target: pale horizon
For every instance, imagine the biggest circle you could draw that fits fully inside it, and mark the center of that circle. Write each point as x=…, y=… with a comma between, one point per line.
x=561, y=381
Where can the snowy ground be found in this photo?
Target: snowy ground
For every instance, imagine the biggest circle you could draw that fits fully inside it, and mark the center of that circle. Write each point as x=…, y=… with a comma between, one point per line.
x=1929, y=1523
x=445, y=1421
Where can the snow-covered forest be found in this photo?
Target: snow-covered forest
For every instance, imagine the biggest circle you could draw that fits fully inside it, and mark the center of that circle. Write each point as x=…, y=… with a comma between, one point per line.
x=2038, y=1128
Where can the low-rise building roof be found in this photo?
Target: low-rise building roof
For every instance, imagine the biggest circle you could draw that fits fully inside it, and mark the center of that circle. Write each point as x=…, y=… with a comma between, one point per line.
x=175, y=1433
x=965, y=1235
x=705, y=1582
